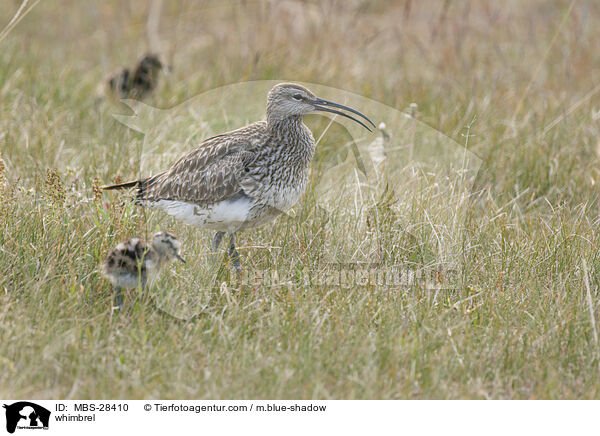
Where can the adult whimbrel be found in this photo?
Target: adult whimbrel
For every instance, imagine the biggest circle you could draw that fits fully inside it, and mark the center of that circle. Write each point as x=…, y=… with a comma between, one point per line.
x=245, y=177
x=139, y=83
x=134, y=263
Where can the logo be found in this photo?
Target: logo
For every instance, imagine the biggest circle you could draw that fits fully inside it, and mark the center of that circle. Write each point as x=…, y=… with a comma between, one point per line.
x=26, y=415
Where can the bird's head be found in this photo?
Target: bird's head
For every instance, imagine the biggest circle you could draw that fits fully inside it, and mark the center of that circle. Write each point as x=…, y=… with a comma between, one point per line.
x=151, y=62
x=167, y=244
x=287, y=100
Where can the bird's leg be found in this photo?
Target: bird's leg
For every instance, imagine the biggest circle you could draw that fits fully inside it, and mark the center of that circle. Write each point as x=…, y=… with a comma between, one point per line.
x=118, y=299
x=217, y=241
x=233, y=254
x=143, y=287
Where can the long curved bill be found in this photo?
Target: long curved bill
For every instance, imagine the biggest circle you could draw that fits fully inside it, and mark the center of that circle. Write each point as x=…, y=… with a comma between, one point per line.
x=324, y=105
x=180, y=258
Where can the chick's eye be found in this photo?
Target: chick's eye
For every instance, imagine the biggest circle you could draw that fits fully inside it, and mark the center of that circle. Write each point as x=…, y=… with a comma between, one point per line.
x=297, y=97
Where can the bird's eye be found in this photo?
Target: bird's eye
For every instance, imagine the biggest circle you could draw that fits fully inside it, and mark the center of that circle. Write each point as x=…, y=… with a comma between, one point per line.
x=297, y=97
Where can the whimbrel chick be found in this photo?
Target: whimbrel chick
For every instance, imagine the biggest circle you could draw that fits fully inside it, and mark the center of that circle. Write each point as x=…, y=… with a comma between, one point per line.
x=139, y=83
x=136, y=263
x=246, y=177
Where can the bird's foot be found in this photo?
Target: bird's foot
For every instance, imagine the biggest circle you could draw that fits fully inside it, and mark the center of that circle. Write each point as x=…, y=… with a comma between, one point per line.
x=118, y=300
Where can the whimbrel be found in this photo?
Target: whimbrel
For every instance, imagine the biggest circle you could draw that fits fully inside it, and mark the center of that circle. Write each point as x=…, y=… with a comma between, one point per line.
x=246, y=177
x=138, y=84
x=134, y=263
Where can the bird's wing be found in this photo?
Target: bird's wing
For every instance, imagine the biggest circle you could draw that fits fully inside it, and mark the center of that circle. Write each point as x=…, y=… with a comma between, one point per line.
x=124, y=257
x=210, y=173
x=119, y=83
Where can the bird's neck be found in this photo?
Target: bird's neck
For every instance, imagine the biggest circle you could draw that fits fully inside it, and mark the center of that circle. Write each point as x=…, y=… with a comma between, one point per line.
x=293, y=139
x=161, y=257
x=284, y=125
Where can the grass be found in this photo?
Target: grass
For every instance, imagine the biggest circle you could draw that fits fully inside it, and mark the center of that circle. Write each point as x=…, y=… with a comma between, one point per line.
x=506, y=79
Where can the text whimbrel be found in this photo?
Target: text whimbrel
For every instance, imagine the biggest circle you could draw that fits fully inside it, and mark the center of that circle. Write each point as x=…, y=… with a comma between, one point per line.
x=135, y=263
x=246, y=177
x=139, y=83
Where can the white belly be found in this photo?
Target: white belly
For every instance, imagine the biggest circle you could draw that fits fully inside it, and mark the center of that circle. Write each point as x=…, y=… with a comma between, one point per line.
x=227, y=215
x=283, y=198
x=126, y=281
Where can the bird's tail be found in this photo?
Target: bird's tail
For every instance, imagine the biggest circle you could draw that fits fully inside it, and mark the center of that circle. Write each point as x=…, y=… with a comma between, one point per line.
x=118, y=186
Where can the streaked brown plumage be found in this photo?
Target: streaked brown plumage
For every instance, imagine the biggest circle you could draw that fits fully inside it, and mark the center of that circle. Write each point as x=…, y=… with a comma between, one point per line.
x=139, y=83
x=245, y=177
x=136, y=263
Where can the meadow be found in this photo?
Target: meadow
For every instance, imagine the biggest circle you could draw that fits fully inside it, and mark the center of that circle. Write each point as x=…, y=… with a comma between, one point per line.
x=509, y=84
